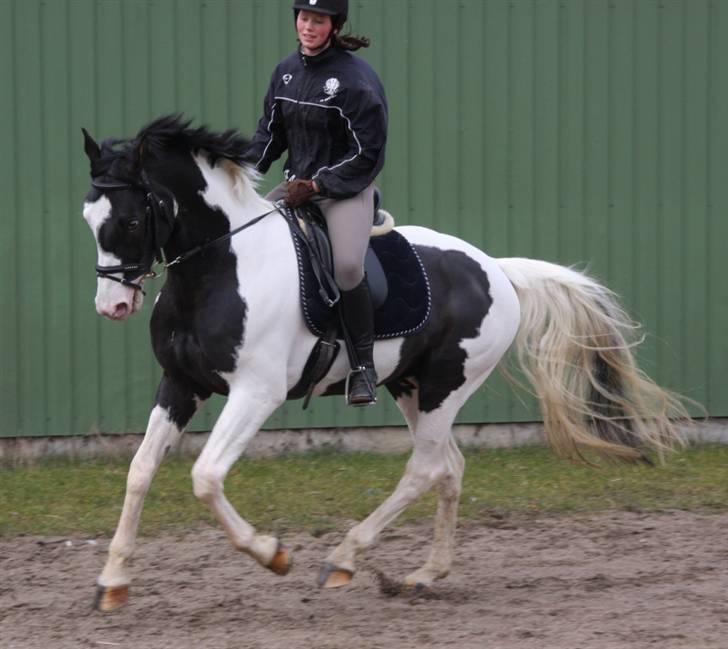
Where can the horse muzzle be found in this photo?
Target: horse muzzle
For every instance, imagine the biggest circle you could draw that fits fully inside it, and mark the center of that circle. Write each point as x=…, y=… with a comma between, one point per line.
x=117, y=301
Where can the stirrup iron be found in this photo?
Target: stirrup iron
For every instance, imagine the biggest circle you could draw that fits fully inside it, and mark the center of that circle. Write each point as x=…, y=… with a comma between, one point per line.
x=372, y=389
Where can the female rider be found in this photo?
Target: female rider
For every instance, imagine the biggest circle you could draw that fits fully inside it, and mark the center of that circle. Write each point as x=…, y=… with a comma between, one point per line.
x=326, y=107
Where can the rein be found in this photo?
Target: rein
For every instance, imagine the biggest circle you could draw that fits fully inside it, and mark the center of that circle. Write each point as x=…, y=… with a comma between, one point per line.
x=191, y=253
x=156, y=208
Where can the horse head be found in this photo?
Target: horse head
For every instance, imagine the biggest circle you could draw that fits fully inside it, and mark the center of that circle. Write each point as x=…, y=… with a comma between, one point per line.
x=137, y=188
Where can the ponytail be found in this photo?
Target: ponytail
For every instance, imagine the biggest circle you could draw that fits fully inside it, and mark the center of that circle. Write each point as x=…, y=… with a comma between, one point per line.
x=349, y=42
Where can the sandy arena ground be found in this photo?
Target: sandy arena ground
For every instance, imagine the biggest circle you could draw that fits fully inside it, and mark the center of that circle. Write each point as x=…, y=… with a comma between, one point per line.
x=617, y=581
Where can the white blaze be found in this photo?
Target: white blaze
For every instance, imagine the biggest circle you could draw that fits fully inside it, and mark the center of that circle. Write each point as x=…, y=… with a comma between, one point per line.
x=113, y=300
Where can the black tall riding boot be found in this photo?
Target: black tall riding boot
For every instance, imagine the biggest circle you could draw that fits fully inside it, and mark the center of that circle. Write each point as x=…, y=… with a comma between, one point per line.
x=358, y=315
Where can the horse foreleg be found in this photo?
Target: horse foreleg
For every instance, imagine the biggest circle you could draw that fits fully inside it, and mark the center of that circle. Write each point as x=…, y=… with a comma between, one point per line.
x=175, y=407
x=241, y=418
x=432, y=463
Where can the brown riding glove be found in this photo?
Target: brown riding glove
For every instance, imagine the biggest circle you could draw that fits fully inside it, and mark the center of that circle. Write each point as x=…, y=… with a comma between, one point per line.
x=299, y=191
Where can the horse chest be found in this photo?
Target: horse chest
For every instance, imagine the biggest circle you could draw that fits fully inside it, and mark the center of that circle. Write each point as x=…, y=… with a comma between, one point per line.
x=199, y=339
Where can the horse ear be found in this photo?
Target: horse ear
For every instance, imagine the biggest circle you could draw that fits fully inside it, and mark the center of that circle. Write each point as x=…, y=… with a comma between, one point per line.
x=92, y=149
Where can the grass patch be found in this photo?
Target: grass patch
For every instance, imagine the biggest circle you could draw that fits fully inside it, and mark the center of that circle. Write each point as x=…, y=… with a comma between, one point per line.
x=322, y=491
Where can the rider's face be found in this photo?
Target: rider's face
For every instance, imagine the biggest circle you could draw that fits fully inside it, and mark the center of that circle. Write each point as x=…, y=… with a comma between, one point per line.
x=313, y=30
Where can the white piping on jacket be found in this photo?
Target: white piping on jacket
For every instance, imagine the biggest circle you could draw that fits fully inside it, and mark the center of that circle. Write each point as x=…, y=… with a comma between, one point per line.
x=341, y=112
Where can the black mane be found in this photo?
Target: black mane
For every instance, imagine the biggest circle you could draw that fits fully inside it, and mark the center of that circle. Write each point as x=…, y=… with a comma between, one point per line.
x=174, y=131
x=121, y=157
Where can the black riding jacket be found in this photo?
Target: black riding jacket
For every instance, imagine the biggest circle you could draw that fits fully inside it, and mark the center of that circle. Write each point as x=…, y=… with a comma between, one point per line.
x=330, y=113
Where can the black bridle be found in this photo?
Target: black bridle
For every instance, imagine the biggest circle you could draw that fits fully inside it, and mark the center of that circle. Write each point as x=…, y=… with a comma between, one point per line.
x=156, y=209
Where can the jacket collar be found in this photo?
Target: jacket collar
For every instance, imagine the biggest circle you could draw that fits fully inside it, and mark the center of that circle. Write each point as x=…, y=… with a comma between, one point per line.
x=319, y=58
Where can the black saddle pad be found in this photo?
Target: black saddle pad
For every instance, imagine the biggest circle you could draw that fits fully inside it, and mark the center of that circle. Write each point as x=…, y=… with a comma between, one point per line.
x=407, y=306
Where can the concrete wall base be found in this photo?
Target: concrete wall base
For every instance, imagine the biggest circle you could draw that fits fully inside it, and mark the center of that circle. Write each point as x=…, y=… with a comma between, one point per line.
x=269, y=443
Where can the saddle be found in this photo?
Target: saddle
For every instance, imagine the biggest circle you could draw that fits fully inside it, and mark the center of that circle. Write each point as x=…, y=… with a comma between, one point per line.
x=397, y=281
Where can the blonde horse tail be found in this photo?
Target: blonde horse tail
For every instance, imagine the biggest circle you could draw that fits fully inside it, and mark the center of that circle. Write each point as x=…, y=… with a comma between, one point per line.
x=575, y=346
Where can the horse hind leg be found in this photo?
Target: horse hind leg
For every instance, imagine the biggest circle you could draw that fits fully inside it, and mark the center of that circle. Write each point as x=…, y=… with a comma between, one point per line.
x=448, y=497
x=439, y=402
x=339, y=567
x=435, y=462
x=442, y=552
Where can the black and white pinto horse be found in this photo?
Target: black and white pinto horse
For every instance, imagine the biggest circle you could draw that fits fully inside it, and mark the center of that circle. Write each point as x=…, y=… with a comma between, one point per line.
x=228, y=320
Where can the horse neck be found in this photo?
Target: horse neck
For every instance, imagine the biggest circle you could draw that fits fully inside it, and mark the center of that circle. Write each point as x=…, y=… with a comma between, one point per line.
x=223, y=199
x=232, y=189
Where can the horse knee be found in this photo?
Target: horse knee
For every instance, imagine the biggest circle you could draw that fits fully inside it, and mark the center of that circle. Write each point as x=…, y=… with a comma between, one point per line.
x=139, y=478
x=445, y=476
x=432, y=461
x=450, y=487
x=206, y=484
x=418, y=480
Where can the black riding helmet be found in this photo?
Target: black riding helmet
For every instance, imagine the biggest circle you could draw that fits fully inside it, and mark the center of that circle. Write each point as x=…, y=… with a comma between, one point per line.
x=337, y=9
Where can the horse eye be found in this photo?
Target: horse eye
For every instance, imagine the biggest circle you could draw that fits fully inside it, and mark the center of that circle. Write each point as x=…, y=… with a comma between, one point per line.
x=132, y=225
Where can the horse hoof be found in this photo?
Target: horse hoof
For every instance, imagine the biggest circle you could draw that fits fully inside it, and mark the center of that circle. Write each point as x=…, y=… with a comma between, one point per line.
x=281, y=561
x=333, y=577
x=110, y=598
x=419, y=591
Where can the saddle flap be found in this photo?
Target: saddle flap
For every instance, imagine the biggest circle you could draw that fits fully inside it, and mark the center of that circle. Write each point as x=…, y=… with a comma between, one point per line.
x=395, y=272
x=314, y=229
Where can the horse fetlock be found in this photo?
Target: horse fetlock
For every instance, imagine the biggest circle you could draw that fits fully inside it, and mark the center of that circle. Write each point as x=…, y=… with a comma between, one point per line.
x=425, y=576
x=333, y=576
x=264, y=549
x=114, y=573
x=344, y=555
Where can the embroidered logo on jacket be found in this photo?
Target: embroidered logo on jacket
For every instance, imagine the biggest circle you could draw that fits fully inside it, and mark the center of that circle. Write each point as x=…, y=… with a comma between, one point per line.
x=331, y=87
x=287, y=78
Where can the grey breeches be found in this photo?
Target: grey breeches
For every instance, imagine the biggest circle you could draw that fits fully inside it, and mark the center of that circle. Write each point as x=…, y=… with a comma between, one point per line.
x=349, y=221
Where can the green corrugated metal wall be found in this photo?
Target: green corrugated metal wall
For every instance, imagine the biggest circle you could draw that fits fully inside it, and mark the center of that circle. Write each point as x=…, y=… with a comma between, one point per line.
x=579, y=131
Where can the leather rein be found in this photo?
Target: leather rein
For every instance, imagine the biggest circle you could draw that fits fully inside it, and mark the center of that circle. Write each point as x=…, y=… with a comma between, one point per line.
x=156, y=209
